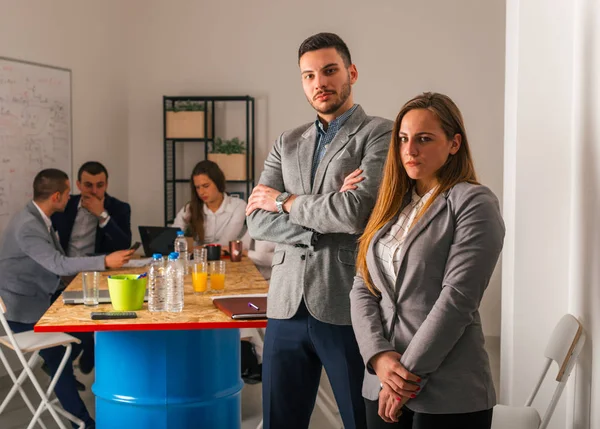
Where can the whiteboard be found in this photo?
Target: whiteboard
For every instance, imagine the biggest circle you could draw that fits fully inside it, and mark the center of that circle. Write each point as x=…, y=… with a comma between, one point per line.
x=35, y=129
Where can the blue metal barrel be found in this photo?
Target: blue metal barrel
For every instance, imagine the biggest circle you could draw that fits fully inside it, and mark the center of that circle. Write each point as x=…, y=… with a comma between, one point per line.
x=168, y=379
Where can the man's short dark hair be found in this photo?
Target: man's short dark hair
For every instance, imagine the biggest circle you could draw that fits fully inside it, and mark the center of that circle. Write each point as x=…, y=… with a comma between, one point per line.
x=48, y=182
x=323, y=41
x=93, y=168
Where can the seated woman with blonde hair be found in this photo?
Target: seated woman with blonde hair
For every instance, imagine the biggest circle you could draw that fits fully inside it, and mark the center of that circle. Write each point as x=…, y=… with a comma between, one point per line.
x=424, y=262
x=211, y=216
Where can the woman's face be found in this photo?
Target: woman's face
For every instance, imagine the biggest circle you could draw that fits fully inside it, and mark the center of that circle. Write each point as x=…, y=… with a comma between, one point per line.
x=424, y=148
x=206, y=189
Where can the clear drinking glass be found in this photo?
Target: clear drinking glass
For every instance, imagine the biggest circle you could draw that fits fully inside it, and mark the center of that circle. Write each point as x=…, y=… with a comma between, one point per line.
x=199, y=254
x=90, y=283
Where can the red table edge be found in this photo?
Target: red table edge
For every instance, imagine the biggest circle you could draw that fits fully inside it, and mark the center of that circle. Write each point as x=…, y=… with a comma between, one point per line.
x=183, y=326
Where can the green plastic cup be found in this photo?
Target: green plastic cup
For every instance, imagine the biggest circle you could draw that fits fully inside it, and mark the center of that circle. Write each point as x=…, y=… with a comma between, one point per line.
x=127, y=292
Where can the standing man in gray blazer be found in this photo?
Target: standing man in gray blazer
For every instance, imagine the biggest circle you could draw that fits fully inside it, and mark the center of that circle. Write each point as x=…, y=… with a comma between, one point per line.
x=31, y=261
x=303, y=204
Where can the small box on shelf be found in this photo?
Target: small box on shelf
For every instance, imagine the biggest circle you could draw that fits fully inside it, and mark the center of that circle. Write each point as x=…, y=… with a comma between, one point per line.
x=232, y=165
x=231, y=157
x=185, y=120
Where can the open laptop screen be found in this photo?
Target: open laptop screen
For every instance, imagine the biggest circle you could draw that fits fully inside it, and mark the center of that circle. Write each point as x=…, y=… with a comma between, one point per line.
x=158, y=239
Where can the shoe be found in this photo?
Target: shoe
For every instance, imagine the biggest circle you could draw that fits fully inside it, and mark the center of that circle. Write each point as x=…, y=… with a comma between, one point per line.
x=91, y=424
x=85, y=365
x=251, y=370
x=253, y=375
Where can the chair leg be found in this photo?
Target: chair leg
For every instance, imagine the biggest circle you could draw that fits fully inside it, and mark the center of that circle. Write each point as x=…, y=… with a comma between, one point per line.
x=17, y=384
x=66, y=414
x=45, y=403
x=260, y=425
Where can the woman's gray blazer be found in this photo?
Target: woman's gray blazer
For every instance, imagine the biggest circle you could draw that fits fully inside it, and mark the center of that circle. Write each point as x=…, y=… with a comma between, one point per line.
x=431, y=317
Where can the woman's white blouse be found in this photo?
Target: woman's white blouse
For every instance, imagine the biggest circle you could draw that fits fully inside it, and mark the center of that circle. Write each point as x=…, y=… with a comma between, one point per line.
x=222, y=226
x=389, y=247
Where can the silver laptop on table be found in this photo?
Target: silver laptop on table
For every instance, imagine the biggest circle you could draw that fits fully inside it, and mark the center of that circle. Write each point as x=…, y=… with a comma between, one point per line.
x=76, y=296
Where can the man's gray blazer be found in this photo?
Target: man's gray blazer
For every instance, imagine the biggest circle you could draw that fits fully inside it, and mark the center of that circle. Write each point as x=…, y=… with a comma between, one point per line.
x=320, y=270
x=31, y=261
x=431, y=317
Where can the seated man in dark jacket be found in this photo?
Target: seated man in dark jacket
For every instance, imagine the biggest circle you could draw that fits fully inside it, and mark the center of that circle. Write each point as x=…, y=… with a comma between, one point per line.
x=93, y=222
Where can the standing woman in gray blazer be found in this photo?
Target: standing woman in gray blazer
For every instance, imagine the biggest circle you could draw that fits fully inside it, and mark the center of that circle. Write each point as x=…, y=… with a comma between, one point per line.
x=424, y=261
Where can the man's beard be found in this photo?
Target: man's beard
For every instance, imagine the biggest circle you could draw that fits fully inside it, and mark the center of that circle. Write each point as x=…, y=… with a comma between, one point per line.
x=346, y=89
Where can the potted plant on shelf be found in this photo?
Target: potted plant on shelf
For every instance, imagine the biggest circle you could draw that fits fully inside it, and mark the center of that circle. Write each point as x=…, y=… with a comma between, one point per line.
x=230, y=155
x=185, y=119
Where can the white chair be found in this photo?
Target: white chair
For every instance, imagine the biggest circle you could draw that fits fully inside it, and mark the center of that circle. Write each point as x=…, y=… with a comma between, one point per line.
x=564, y=347
x=325, y=403
x=31, y=342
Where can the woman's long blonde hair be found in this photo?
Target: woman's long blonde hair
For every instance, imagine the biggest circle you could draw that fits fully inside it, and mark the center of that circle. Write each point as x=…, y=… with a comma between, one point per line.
x=396, y=183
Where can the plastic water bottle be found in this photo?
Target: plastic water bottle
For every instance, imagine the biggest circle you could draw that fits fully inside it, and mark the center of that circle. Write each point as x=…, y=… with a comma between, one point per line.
x=157, y=291
x=181, y=247
x=174, y=280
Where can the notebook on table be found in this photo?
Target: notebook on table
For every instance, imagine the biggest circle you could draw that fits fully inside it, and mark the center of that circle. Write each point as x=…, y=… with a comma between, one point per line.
x=242, y=307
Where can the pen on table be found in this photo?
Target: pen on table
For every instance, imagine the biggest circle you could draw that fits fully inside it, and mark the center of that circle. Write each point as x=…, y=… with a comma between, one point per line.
x=253, y=306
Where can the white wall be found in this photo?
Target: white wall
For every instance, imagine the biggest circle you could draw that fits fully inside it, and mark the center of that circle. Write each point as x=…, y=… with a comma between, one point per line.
x=86, y=37
x=236, y=47
x=552, y=203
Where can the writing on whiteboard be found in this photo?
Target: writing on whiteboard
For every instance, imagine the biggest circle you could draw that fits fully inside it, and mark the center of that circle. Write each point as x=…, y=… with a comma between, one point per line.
x=35, y=129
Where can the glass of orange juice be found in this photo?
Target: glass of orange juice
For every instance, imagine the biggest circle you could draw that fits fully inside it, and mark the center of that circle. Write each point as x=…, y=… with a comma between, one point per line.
x=217, y=275
x=200, y=277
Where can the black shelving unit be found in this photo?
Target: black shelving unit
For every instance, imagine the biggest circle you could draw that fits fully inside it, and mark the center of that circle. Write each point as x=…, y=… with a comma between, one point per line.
x=171, y=144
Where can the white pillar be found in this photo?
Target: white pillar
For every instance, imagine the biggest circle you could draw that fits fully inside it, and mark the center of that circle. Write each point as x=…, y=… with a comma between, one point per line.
x=551, y=260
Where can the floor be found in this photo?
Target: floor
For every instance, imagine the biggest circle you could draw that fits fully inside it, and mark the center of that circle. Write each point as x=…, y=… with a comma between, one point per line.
x=17, y=416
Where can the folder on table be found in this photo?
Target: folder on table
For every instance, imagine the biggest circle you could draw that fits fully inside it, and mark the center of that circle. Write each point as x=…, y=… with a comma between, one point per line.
x=242, y=306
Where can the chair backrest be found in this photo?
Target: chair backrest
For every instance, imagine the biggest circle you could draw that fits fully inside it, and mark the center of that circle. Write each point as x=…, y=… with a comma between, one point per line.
x=564, y=346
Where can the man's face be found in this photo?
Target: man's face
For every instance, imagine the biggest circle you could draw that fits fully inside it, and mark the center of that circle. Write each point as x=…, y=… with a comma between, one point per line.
x=92, y=185
x=326, y=81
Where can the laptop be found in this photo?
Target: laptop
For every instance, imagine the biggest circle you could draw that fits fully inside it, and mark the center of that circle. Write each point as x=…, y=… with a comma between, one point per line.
x=158, y=239
x=76, y=296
